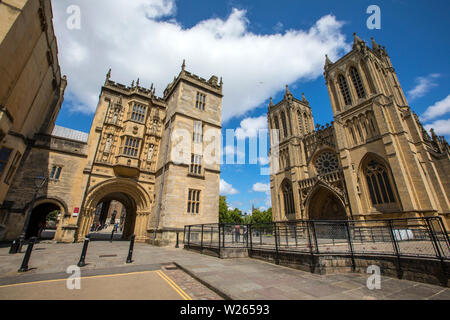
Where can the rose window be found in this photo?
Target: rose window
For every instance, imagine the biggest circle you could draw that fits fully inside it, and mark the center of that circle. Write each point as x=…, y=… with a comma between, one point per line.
x=327, y=162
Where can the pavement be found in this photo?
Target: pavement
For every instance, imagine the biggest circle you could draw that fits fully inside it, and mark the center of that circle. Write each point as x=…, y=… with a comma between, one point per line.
x=200, y=277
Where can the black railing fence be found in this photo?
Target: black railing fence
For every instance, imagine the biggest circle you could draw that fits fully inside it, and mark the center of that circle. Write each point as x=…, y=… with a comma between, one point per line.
x=415, y=237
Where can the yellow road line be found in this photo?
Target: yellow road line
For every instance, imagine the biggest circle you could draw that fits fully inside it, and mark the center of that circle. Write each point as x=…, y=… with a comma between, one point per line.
x=89, y=277
x=180, y=291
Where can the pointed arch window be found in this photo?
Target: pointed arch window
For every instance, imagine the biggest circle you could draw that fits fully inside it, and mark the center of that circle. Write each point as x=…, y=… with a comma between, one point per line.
x=283, y=122
x=288, y=197
x=300, y=122
x=378, y=183
x=357, y=83
x=344, y=89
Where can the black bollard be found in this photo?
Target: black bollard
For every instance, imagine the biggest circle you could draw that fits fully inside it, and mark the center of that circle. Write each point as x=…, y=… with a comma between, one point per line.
x=130, y=251
x=177, y=246
x=112, y=235
x=26, y=258
x=14, y=247
x=81, y=263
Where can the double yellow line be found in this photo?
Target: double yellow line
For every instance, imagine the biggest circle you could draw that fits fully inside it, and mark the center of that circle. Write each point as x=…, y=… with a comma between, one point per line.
x=180, y=291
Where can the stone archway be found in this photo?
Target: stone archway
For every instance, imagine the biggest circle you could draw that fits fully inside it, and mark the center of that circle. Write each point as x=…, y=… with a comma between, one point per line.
x=38, y=219
x=135, y=199
x=324, y=204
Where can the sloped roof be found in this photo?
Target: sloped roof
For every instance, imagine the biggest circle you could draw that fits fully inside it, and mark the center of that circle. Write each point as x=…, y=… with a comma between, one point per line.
x=67, y=133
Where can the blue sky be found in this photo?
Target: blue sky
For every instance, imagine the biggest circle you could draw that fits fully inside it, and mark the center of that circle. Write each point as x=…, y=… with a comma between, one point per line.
x=258, y=47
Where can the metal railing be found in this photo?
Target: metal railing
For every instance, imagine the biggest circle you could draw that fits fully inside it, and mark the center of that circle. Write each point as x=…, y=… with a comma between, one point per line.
x=411, y=237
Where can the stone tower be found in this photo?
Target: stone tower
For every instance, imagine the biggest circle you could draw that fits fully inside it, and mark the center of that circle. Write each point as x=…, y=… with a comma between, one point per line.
x=188, y=169
x=390, y=164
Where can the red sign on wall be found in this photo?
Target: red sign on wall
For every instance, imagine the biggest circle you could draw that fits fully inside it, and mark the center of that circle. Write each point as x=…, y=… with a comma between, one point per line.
x=76, y=210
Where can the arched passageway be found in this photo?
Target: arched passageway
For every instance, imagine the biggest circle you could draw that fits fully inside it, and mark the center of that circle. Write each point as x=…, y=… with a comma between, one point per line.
x=99, y=210
x=43, y=221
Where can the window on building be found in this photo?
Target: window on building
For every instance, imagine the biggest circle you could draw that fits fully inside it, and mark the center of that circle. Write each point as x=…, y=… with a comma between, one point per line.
x=378, y=183
x=193, y=204
x=55, y=173
x=131, y=147
x=300, y=123
x=344, y=90
x=288, y=196
x=200, y=102
x=4, y=158
x=283, y=122
x=198, y=132
x=356, y=79
x=196, y=164
x=138, y=113
x=12, y=168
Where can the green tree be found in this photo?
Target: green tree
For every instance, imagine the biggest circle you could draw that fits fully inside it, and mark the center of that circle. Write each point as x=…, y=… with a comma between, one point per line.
x=226, y=215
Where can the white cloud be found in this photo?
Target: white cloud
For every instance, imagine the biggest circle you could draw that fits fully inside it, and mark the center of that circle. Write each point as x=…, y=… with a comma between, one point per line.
x=261, y=187
x=438, y=109
x=250, y=127
x=441, y=127
x=424, y=84
x=141, y=38
x=226, y=188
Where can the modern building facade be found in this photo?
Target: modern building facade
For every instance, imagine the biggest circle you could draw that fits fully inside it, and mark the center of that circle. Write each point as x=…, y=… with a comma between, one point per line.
x=374, y=161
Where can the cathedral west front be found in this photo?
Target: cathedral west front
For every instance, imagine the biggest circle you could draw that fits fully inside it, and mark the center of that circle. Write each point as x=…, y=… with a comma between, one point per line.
x=374, y=161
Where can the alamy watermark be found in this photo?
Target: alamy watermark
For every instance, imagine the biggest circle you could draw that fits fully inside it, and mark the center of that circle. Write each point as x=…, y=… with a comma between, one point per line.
x=374, y=20
x=73, y=282
x=374, y=281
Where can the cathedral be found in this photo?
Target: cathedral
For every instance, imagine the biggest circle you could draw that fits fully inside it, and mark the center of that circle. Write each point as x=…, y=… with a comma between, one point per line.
x=374, y=161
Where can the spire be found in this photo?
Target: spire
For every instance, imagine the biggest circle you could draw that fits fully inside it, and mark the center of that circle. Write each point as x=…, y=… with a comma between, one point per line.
x=327, y=61
x=183, y=66
x=304, y=99
x=357, y=42
x=137, y=82
x=132, y=84
x=288, y=93
x=271, y=103
x=108, y=75
x=221, y=82
x=375, y=46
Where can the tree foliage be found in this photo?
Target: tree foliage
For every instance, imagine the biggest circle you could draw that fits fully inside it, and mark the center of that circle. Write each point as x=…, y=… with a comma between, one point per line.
x=235, y=216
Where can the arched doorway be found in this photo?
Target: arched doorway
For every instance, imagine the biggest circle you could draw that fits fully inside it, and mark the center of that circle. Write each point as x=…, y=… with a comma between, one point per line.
x=324, y=204
x=130, y=194
x=43, y=221
x=327, y=207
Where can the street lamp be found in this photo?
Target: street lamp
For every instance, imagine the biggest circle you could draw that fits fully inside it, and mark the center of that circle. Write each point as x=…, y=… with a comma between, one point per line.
x=39, y=183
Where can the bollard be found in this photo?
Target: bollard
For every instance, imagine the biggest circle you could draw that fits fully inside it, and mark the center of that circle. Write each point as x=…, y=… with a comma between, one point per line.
x=130, y=251
x=176, y=246
x=14, y=247
x=112, y=235
x=81, y=263
x=26, y=258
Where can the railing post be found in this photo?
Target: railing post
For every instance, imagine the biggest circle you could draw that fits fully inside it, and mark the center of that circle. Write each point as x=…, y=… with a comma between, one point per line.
x=189, y=236
x=433, y=239
x=397, y=252
x=211, y=236
x=436, y=244
x=184, y=235
x=219, y=236
x=276, y=243
x=295, y=235
x=260, y=236
x=223, y=236
x=287, y=237
x=313, y=224
x=246, y=235
x=350, y=244
x=201, y=241
x=130, y=250
x=249, y=231
x=176, y=245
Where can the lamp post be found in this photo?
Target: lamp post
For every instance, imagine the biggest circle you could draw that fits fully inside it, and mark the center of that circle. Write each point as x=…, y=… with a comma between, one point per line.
x=39, y=182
